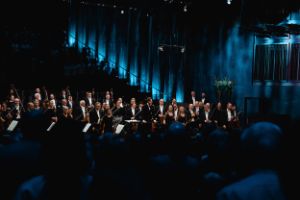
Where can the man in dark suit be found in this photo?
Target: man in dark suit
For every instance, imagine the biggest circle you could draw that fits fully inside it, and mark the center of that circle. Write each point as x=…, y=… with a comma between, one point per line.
x=206, y=115
x=219, y=116
x=89, y=101
x=205, y=120
x=81, y=111
x=132, y=112
x=148, y=111
x=59, y=108
x=71, y=103
x=193, y=98
x=204, y=98
x=160, y=109
x=17, y=109
x=63, y=95
x=95, y=115
x=108, y=100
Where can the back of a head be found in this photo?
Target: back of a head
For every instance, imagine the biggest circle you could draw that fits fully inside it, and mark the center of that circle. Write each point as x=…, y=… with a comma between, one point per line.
x=65, y=161
x=217, y=144
x=33, y=124
x=176, y=138
x=112, y=152
x=65, y=148
x=261, y=143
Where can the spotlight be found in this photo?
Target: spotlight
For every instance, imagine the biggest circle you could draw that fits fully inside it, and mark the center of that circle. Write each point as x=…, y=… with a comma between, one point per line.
x=182, y=50
x=115, y=6
x=185, y=8
x=229, y=2
x=122, y=12
x=161, y=48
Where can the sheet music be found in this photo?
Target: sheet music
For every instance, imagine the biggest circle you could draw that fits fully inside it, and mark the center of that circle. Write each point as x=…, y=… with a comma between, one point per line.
x=86, y=128
x=12, y=125
x=132, y=121
x=119, y=128
x=50, y=127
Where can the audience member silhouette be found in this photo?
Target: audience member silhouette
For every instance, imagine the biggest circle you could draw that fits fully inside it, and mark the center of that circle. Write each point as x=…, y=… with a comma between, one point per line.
x=173, y=174
x=261, y=147
x=65, y=166
x=116, y=176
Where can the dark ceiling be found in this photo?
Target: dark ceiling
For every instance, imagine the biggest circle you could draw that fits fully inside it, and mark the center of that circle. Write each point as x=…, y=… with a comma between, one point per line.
x=53, y=13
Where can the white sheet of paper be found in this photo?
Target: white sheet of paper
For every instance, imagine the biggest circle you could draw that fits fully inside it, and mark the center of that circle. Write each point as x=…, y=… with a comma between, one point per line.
x=12, y=125
x=132, y=121
x=51, y=126
x=119, y=128
x=86, y=128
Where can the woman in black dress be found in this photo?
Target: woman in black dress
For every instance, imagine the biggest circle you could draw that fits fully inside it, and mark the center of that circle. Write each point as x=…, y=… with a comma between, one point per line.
x=107, y=122
x=182, y=116
x=169, y=116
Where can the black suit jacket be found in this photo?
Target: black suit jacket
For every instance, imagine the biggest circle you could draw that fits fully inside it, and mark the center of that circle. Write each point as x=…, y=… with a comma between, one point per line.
x=87, y=102
x=220, y=117
x=15, y=112
x=73, y=105
x=94, y=117
x=111, y=103
x=78, y=115
x=148, y=113
x=204, y=99
x=202, y=116
x=120, y=112
x=158, y=112
x=129, y=113
x=190, y=100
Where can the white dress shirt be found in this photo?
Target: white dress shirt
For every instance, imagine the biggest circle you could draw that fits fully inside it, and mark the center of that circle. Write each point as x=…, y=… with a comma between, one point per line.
x=83, y=111
x=229, y=115
x=203, y=100
x=18, y=112
x=206, y=115
x=98, y=114
x=71, y=104
x=175, y=114
x=161, y=108
x=90, y=101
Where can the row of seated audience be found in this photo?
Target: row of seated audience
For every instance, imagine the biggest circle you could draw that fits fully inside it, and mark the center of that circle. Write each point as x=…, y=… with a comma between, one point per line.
x=215, y=163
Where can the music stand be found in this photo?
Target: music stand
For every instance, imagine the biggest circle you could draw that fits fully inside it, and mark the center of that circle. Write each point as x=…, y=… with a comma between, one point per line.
x=12, y=126
x=50, y=127
x=119, y=128
x=86, y=127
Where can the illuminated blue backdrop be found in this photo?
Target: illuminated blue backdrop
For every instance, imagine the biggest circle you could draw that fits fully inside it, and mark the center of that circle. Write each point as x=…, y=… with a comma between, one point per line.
x=130, y=42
